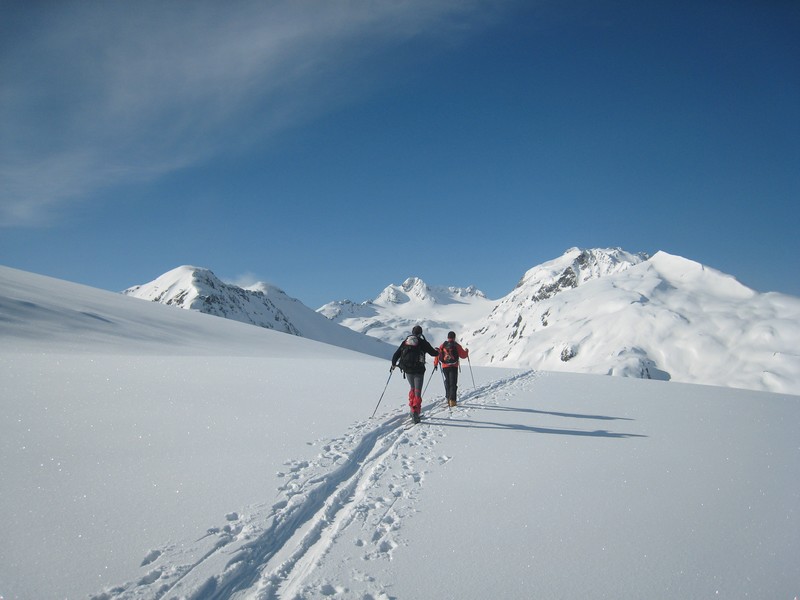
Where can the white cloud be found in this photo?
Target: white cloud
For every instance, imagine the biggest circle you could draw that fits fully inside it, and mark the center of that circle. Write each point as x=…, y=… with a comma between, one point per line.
x=246, y=280
x=98, y=94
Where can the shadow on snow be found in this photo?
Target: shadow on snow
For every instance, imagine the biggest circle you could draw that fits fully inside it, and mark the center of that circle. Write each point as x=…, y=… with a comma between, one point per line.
x=472, y=424
x=547, y=412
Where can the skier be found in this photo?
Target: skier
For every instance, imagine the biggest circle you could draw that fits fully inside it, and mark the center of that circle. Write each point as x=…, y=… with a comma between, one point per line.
x=410, y=357
x=449, y=353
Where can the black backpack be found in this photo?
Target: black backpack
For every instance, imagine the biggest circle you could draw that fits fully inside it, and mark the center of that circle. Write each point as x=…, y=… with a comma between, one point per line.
x=449, y=353
x=411, y=357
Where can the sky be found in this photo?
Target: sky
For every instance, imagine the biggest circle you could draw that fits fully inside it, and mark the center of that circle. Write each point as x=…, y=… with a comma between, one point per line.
x=334, y=148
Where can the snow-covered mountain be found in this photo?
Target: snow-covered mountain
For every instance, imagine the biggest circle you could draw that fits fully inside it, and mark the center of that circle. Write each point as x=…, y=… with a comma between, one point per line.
x=574, y=268
x=662, y=318
x=392, y=314
x=440, y=309
x=607, y=311
x=601, y=311
x=262, y=305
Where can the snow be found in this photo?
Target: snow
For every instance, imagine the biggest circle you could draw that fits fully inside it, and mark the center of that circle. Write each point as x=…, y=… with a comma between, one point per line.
x=149, y=452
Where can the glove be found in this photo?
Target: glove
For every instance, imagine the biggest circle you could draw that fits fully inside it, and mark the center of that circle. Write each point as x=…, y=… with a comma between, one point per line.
x=391, y=368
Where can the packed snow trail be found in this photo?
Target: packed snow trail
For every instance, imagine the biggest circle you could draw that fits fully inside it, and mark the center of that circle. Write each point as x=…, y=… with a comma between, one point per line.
x=270, y=554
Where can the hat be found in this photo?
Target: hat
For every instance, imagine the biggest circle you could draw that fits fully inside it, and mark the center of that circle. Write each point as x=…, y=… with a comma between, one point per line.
x=451, y=335
x=417, y=330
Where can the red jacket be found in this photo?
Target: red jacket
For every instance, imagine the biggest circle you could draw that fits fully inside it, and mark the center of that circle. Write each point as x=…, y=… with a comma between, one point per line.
x=461, y=354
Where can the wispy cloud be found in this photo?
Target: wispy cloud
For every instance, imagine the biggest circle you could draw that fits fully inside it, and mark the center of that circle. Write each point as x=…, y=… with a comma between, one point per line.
x=96, y=94
x=246, y=280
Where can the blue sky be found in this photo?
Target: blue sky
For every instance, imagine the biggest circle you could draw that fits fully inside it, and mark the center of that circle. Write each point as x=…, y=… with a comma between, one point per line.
x=333, y=148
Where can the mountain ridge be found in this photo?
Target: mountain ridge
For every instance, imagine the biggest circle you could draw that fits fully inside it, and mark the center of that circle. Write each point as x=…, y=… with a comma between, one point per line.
x=602, y=310
x=608, y=311
x=262, y=305
x=665, y=318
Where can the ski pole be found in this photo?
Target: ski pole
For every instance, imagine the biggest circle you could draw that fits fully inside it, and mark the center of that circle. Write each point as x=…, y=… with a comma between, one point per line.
x=427, y=384
x=469, y=362
x=384, y=391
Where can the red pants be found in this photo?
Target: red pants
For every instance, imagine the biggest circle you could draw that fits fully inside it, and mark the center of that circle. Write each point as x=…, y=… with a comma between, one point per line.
x=415, y=393
x=414, y=401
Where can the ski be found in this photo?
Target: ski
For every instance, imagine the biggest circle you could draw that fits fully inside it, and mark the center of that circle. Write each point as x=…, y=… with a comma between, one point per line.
x=409, y=423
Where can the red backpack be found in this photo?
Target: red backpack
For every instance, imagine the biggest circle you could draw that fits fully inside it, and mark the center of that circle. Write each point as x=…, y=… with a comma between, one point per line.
x=449, y=352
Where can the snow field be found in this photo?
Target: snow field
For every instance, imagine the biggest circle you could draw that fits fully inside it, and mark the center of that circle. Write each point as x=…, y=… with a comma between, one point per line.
x=149, y=452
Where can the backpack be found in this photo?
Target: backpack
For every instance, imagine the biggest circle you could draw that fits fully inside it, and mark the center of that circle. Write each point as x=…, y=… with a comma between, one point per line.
x=411, y=357
x=449, y=353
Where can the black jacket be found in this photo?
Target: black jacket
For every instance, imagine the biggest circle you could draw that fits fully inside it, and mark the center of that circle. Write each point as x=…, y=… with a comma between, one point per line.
x=424, y=346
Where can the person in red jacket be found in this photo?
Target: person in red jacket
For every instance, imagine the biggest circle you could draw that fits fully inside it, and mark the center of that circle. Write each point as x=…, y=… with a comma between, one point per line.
x=449, y=353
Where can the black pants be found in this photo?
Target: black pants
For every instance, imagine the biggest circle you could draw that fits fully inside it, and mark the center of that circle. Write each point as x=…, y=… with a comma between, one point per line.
x=450, y=382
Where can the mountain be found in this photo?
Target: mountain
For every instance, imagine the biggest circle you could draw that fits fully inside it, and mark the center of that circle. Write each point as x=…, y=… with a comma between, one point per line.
x=262, y=305
x=392, y=314
x=600, y=311
x=663, y=318
x=574, y=268
x=610, y=312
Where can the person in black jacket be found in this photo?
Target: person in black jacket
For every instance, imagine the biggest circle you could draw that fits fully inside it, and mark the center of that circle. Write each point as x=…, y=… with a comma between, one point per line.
x=410, y=357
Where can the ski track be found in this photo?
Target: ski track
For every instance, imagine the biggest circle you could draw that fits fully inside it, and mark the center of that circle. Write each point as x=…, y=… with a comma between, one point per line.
x=367, y=479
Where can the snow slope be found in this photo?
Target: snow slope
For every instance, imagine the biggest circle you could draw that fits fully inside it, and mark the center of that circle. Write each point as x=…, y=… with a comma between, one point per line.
x=263, y=305
x=155, y=453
